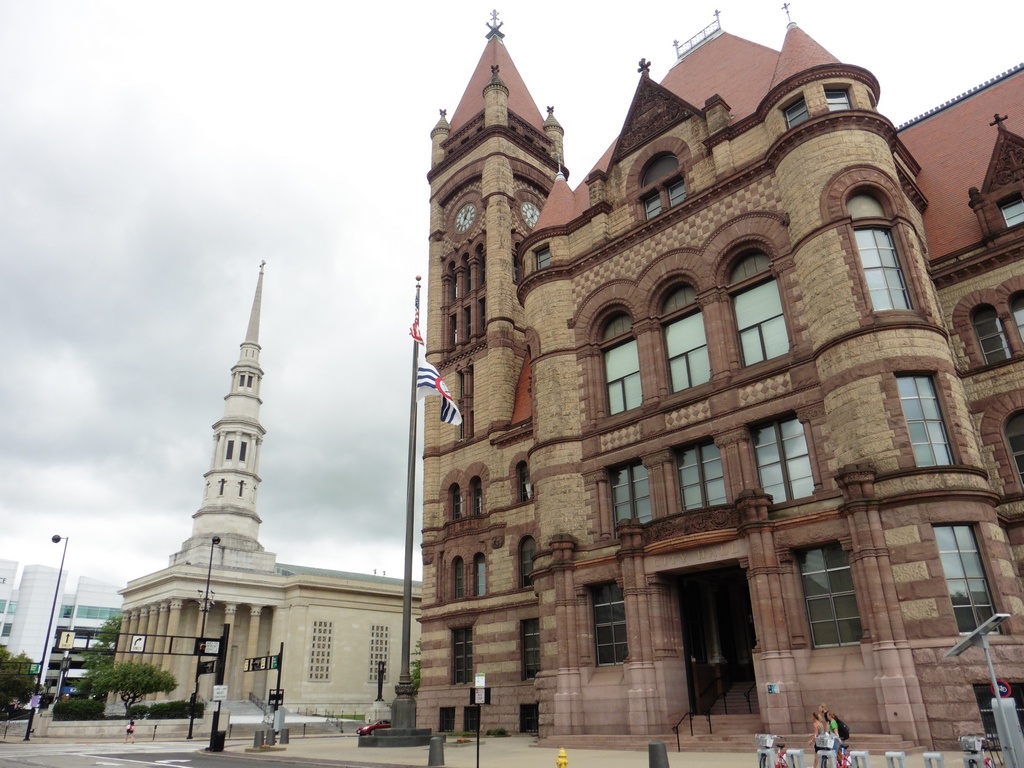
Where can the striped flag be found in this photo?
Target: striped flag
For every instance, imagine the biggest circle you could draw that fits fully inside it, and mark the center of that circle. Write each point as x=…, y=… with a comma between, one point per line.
x=429, y=382
x=414, y=331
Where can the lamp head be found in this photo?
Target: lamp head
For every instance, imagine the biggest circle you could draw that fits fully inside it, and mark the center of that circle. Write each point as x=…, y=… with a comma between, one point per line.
x=216, y=540
x=55, y=538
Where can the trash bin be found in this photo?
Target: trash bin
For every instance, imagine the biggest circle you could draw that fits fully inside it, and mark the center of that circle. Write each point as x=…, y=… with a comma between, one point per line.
x=217, y=741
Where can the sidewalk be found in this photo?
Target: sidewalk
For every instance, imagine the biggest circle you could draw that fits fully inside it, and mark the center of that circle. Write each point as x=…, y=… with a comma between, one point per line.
x=517, y=752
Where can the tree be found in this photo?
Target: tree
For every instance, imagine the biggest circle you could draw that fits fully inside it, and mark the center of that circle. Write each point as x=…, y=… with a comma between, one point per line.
x=129, y=681
x=16, y=684
x=414, y=667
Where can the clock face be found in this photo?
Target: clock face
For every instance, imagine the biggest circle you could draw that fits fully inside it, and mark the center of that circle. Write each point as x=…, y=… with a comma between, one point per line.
x=530, y=213
x=465, y=217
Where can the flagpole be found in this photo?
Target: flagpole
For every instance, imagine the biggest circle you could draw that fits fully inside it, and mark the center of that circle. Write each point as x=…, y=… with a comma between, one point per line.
x=403, y=713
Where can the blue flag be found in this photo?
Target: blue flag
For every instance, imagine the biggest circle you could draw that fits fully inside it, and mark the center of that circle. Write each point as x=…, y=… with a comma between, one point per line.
x=429, y=382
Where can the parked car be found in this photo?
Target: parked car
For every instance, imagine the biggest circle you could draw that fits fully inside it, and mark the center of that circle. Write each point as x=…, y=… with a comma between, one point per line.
x=366, y=730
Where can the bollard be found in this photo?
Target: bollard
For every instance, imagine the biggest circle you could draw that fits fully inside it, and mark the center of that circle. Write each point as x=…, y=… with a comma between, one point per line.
x=896, y=759
x=657, y=755
x=271, y=738
x=257, y=739
x=934, y=760
x=562, y=761
x=436, y=754
x=284, y=736
x=795, y=758
x=860, y=758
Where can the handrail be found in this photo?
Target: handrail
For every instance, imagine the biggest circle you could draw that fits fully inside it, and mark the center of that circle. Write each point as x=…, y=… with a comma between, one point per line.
x=258, y=702
x=675, y=728
x=746, y=696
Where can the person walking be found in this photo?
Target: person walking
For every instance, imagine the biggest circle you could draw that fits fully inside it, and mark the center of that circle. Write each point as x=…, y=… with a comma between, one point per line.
x=129, y=732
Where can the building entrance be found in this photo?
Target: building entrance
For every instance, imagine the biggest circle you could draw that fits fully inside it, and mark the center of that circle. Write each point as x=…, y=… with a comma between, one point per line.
x=718, y=638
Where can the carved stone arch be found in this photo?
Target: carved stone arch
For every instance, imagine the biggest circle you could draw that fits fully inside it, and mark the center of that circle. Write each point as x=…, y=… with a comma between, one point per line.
x=657, y=285
x=756, y=231
x=477, y=469
x=454, y=477
x=597, y=306
x=1008, y=290
x=861, y=178
x=665, y=145
x=962, y=318
x=466, y=180
x=993, y=434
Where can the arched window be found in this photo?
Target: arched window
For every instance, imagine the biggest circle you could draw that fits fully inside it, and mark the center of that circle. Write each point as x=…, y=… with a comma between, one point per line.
x=671, y=189
x=621, y=365
x=453, y=283
x=527, y=549
x=989, y=329
x=759, y=318
x=479, y=575
x=1017, y=307
x=455, y=497
x=879, y=260
x=523, y=488
x=477, y=492
x=659, y=168
x=685, y=342
x=458, y=578
x=1015, y=437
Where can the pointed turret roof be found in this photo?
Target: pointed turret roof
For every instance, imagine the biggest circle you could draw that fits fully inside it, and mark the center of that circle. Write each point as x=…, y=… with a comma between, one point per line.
x=252, y=334
x=520, y=101
x=799, y=53
x=560, y=207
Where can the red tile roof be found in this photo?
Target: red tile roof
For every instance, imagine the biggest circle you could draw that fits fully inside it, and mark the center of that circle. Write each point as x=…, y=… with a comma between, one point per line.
x=520, y=101
x=799, y=53
x=954, y=146
x=560, y=207
x=523, y=408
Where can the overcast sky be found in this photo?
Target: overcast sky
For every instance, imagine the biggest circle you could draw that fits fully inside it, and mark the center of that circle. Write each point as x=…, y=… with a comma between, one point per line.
x=153, y=153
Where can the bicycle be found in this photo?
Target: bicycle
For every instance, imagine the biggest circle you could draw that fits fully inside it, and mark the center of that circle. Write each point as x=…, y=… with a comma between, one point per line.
x=766, y=741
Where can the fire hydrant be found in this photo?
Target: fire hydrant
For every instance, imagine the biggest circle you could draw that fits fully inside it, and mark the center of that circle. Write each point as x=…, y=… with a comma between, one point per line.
x=561, y=761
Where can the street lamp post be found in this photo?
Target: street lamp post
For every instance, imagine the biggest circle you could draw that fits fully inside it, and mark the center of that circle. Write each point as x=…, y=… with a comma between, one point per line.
x=44, y=664
x=205, y=607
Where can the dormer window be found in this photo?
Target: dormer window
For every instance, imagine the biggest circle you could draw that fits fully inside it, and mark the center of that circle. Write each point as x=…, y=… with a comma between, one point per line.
x=1013, y=212
x=796, y=113
x=837, y=99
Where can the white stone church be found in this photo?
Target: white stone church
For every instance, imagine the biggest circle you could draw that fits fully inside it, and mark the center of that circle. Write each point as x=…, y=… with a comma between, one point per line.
x=334, y=626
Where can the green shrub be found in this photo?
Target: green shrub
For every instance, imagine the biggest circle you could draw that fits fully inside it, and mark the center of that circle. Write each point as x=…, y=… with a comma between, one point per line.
x=138, y=711
x=497, y=732
x=78, y=709
x=168, y=710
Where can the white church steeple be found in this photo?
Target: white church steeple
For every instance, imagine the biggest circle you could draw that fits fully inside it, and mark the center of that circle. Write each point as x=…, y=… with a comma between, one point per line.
x=229, y=499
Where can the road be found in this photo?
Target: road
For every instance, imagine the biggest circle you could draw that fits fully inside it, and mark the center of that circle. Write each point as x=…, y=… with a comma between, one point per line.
x=154, y=754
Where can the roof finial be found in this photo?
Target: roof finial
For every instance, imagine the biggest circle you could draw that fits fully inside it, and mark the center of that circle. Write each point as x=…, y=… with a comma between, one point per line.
x=494, y=27
x=785, y=7
x=644, y=68
x=998, y=121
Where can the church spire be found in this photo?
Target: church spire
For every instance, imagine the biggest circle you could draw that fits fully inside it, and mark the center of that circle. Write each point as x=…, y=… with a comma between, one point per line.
x=229, y=500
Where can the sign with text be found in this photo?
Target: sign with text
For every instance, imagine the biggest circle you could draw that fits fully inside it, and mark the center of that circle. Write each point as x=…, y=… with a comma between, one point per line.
x=260, y=663
x=67, y=641
x=479, y=696
x=207, y=667
x=220, y=693
x=480, y=680
x=207, y=646
x=138, y=644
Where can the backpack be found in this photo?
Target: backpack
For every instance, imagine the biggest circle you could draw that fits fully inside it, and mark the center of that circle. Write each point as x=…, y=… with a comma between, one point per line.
x=842, y=729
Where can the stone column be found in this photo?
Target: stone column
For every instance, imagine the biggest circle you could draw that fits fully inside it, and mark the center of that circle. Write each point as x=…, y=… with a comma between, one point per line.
x=659, y=476
x=596, y=484
x=568, y=689
x=158, y=648
x=252, y=649
x=644, y=713
x=122, y=637
x=231, y=663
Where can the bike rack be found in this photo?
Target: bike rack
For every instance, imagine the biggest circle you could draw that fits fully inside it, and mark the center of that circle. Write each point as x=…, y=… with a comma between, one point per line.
x=934, y=760
x=860, y=758
x=896, y=759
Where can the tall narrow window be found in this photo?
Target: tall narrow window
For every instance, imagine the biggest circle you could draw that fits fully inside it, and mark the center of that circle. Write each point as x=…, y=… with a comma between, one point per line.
x=610, y=624
x=230, y=451
x=631, y=493
x=882, y=269
x=530, y=629
x=924, y=421
x=965, y=576
x=676, y=193
x=687, y=352
x=1015, y=437
x=1017, y=307
x=242, y=446
x=479, y=575
x=477, y=491
x=828, y=594
x=783, y=463
x=462, y=656
x=989, y=329
x=524, y=490
x=652, y=205
x=543, y=258
x=527, y=549
x=622, y=367
x=701, y=480
x=455, y=496
x=458, y=578
x=759, y=318
x=241, y=487
x=837, y=99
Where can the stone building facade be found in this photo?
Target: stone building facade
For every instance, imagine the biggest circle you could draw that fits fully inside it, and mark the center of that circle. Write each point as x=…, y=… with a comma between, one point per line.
x=743, y=409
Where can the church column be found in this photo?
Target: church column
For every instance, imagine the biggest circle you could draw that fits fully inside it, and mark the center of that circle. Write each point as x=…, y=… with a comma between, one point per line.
x=158, y=648
x=173, y=621
x=123, y=636
x=231, y=662
x=252, y=646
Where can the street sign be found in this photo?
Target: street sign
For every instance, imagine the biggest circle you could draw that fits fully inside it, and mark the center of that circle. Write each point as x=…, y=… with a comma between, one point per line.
x=1004, y=691
x=480, y=681
x=260, y=663
x=276, y=696
x=67, y=641
x=479, y=696
x=207, y=667
x=220, y=693
x=138, y=644
x=207, y=646
x=33, y=668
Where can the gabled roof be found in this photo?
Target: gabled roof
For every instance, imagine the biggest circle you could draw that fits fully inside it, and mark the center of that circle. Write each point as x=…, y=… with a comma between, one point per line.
x=954, y=147
x=799, y=53
x=520, y=102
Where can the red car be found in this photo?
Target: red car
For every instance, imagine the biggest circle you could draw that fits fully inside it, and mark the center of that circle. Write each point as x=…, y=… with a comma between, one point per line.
x=366, y=730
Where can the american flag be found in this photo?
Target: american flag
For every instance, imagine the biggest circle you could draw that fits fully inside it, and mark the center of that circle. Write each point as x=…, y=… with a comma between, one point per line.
x=415, y=330
x=429, y=382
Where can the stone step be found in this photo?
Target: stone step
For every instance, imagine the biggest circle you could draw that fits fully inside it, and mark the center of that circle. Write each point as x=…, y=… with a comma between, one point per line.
x=719, y=741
